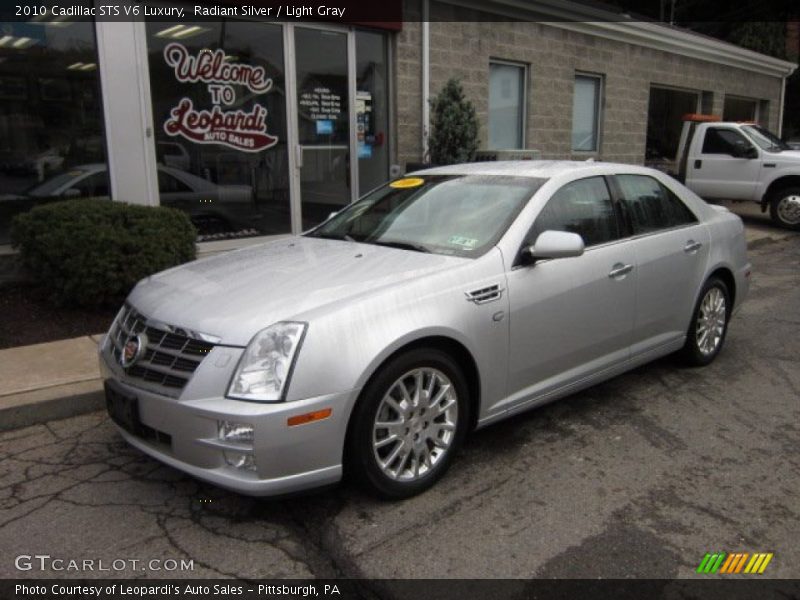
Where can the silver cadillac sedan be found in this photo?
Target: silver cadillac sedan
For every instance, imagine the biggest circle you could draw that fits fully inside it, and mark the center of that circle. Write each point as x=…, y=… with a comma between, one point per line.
x=439, y=303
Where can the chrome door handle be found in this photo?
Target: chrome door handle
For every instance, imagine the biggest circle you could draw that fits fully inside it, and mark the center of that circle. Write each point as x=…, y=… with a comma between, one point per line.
x=692, y=246
x=619, y=270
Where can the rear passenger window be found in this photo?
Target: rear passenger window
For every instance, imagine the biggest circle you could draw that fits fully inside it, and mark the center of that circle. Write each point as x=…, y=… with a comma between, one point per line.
x=583, y=207
x=650, y=206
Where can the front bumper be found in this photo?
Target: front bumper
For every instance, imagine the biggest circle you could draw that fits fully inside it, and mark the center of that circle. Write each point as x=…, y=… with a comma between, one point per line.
x=287, y=459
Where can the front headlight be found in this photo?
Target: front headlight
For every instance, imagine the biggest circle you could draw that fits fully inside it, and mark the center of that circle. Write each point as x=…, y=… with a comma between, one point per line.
x=266, y=365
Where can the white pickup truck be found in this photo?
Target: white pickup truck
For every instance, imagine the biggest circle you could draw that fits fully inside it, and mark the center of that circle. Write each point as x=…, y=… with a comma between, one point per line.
x=740, y=161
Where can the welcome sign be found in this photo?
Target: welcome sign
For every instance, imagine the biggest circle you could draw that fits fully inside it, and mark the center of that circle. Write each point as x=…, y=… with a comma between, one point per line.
x=236, y=128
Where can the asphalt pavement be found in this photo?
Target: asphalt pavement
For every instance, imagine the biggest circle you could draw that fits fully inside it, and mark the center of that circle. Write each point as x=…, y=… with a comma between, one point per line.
x=638, y=477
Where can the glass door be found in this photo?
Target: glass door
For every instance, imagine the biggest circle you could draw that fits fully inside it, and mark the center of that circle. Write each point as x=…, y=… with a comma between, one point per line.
x=322, y=98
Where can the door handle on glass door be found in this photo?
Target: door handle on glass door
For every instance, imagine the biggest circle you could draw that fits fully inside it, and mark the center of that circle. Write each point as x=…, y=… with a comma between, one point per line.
x=619, y=270
x=691, y=247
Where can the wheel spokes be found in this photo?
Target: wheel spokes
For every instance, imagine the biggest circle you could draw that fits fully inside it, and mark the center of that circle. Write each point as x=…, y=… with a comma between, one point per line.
x=415, y=424
x=711, y=321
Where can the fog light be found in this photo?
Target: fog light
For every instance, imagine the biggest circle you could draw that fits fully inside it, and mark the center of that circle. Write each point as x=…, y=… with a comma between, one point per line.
x=237, y=433
x=239, y=460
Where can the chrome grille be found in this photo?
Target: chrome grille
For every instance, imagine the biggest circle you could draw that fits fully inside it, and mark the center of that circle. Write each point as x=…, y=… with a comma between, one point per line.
x=169, y=359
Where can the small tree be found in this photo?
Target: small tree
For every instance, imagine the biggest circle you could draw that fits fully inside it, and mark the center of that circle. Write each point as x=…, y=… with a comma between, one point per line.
x=454, y=126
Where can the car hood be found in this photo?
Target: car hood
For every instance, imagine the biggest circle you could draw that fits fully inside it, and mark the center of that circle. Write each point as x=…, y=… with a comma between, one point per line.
x=232, y=296
x=792, y=156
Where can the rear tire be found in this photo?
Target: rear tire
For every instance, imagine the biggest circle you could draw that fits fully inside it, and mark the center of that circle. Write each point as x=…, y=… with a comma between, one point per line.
x=784, y=208
x=709, y=324
x=408, y=423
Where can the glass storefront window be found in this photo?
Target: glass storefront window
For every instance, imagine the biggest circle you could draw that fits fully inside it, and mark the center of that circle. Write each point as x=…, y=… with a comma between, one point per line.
x=51, y=133
x=323, y=122
x=219, y=110
x=372, y=113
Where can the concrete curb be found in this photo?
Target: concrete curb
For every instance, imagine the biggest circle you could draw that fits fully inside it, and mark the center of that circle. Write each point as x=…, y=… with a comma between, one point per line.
x=57, y=402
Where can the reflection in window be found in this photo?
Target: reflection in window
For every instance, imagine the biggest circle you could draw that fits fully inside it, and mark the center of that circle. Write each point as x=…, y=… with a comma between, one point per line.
x=50, y=113
x=583, y=207
x=228, y=170
x=650, y=206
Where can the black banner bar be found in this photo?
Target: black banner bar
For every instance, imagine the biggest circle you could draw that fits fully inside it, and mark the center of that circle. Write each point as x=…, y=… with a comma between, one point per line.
x=702, y=588
x=390, y=14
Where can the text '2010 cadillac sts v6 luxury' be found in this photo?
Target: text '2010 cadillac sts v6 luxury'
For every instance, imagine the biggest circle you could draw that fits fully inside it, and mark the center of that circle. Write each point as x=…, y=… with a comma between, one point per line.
x=441, y=302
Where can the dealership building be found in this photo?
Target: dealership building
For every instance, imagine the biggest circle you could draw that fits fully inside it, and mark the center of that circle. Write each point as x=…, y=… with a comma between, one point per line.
x=259, y=128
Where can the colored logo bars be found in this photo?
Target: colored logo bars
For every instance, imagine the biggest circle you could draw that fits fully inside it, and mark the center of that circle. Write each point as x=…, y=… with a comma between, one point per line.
x=721, y=562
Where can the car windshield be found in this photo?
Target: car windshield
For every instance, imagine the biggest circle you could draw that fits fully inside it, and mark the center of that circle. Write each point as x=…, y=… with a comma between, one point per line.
x=50, y=186
x=766, y=139
x=461, y=215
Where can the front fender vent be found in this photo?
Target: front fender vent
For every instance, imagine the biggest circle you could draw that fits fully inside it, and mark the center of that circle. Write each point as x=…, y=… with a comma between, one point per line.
x=484, y=295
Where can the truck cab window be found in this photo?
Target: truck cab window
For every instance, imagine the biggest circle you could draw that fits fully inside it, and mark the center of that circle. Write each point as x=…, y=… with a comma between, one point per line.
x=723, y=141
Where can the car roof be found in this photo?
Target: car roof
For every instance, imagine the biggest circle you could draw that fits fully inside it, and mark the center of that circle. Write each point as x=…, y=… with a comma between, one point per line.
x=544, y=169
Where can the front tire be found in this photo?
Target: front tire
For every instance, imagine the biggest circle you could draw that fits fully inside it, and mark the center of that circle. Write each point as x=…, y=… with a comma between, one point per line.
x=709, y=324
x=784, y=208
x=409, y=421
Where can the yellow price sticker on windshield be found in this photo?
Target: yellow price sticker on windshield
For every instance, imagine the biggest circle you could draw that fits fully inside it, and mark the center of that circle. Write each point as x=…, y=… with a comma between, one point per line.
x=407, y=182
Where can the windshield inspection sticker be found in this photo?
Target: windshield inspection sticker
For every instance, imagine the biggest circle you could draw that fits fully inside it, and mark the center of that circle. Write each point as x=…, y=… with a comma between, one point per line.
x=407, y=182
x=464, y=242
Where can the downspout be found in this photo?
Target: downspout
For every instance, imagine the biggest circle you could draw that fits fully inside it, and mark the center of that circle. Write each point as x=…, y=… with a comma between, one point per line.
x=426, y=77
x=781, y=106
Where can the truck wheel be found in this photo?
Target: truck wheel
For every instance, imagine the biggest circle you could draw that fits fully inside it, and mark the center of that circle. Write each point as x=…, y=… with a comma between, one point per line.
x=784, y=208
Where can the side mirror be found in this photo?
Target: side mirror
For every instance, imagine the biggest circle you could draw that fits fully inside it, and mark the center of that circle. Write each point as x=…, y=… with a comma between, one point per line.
x=741, y=150
x=555, y=244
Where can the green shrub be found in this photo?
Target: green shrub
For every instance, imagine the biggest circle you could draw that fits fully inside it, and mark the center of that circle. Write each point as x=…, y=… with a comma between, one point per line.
x=92, y=252
x=454, y=126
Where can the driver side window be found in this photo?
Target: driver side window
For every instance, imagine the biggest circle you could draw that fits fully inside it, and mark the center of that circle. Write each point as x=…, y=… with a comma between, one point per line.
x=583, y=207
x=723, y=141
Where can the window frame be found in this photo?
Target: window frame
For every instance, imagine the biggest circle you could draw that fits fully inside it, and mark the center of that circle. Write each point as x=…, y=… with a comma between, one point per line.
x=598, y=115
x=523, y=101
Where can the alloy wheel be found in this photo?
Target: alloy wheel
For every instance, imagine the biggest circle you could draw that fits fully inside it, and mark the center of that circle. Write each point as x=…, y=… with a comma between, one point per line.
x=711, y=321
x=415, y=424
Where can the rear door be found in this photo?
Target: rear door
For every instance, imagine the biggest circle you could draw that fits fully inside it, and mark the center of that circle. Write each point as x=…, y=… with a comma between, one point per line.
x=715, y=172
x=671, y=250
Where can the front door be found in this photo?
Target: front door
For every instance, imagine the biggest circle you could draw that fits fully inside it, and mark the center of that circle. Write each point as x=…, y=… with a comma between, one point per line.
x=323, y=103
x=717, y=173
x=572, y=317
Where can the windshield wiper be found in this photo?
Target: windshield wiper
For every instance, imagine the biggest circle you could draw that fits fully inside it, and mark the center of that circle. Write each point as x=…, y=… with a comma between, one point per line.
x=401, y=245
x=331, y=236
